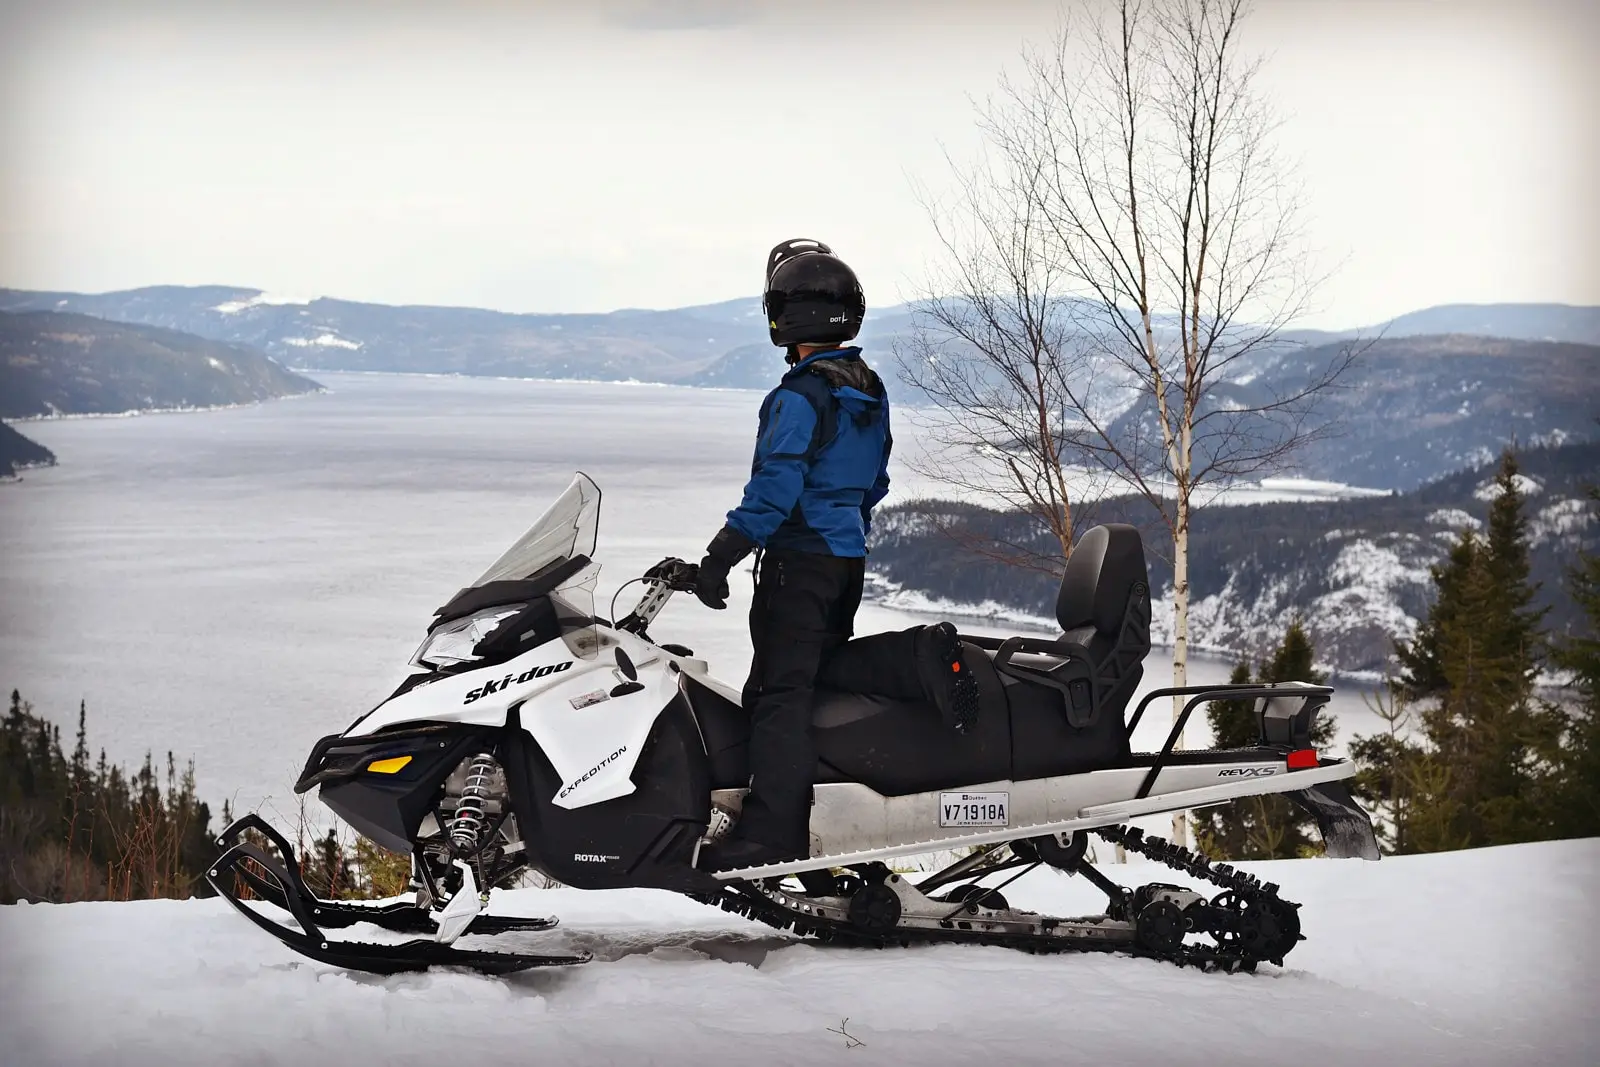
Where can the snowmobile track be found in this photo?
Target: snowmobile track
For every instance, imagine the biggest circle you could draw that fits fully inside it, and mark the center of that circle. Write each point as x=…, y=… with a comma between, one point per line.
x=1254, y=924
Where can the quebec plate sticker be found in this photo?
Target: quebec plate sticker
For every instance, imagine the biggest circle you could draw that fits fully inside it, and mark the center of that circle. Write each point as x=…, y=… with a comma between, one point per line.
x=974, y=809
x=588, y=699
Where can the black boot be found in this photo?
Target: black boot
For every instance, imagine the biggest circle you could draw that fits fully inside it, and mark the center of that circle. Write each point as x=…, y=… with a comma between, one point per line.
x=948, y=682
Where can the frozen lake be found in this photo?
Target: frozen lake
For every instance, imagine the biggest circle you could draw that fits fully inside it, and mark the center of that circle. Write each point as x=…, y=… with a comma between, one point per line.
x=232, y=585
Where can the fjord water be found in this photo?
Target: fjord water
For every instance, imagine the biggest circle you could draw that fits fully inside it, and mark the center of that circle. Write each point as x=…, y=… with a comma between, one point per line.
x=231, y=585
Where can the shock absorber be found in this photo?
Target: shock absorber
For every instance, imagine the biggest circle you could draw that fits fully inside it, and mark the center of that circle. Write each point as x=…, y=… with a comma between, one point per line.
x=471, y=817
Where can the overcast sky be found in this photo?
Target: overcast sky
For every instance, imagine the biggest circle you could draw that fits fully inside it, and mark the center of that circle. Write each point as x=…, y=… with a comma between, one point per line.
x=567, y=156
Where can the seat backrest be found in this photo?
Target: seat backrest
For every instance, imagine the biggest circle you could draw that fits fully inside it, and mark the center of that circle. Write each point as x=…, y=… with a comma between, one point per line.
x=1105, y=570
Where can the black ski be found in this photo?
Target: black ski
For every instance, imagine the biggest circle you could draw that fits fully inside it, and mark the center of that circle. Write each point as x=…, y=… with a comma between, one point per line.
x=280, y=884
x=400, y=917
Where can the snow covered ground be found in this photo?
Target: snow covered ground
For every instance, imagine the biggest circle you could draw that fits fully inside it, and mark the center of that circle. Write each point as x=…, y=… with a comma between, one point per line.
x=1469, y=958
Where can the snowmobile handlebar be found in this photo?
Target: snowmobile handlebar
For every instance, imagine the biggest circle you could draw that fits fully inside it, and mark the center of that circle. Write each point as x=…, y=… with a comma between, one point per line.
x=661, y=580
x=675, y=574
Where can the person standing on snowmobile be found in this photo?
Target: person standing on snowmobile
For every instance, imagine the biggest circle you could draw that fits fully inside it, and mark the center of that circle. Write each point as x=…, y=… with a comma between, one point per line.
x=821, y=466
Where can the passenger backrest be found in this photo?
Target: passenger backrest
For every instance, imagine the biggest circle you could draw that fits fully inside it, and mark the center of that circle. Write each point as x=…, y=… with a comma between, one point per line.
x=1105, y=569
x=1104, y=605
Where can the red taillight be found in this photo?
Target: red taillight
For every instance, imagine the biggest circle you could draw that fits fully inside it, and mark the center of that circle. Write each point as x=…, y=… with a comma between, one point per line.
x=1302, y=759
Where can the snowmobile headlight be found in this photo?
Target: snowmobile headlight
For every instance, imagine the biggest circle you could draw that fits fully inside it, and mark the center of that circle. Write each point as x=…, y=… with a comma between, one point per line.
x=388, y=766
x=454, y=641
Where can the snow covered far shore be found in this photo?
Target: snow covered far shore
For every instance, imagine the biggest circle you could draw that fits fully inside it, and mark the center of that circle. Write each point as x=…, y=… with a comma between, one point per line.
x=1470, y=959
x=187, y=409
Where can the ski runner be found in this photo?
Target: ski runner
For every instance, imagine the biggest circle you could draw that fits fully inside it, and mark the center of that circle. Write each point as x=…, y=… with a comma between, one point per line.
x=820, y=467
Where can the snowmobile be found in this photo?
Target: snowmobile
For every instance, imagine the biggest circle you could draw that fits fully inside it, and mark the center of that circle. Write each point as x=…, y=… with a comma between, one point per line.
x=535, y=736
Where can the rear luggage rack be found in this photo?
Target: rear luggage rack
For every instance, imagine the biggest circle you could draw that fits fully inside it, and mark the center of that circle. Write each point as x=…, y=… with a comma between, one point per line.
x=1294, y=728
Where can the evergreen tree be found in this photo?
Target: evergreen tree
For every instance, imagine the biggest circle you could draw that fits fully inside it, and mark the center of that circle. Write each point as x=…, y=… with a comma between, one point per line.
x=1421, y=670
x=327, y=869
x=1262, y=827
x=72, y=832
x=1479, y=772
x=1521, y=624
x=1575, y=796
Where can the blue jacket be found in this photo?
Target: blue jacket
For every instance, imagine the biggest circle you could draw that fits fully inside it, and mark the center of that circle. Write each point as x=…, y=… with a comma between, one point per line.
x=822, y=458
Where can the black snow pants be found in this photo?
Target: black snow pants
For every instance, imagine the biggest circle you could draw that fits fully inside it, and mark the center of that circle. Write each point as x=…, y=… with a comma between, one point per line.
x=801, y=622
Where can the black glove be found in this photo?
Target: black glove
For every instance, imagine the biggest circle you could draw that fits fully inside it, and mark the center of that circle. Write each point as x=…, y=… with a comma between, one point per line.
x=725, y=550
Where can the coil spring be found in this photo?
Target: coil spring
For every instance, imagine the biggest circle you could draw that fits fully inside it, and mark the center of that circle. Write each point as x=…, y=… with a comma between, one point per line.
x=471, y=814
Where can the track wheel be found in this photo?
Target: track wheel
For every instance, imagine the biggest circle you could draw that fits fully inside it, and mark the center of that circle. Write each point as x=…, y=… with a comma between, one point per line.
x=1160, y=927
x=875, y=908
x=1280, y=929
x=976, y=897
x=1050, y=849
x=1237, y=923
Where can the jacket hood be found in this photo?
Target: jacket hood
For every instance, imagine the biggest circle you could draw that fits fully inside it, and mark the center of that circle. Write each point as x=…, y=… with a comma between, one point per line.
x=855, y=385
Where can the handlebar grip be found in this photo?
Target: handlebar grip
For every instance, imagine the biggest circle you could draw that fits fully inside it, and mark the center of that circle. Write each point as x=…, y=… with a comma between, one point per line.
x=675, y=574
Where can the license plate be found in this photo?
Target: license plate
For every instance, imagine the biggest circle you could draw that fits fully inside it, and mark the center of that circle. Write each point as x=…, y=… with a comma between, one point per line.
x=974, y=809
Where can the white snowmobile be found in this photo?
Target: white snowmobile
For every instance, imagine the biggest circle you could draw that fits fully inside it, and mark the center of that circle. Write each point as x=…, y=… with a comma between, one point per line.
x=536, y=736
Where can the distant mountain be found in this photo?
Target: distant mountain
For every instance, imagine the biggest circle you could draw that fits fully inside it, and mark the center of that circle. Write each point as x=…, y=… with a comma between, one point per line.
x=19, y=453
x=1355, y=571
x=1420, y=406
x=756, y=366
x=759, y=365
x=1413, y=409
x=61, y=363
x=672, y=345
x=660, y=346
x=1527, y=322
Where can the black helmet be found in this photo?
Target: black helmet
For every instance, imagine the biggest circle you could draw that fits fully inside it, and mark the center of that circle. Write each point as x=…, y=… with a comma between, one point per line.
x=811, y=297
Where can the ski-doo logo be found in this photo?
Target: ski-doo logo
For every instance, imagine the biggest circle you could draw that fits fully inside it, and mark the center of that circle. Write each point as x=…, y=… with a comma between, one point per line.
x=526, y=676
x=591, y=772
x=593, y=857
x=1246, y=772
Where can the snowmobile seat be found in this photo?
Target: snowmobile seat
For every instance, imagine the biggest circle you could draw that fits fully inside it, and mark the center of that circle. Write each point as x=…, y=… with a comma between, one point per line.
x=898, y=746
x=895, y=746
x=1046, y=707
x=1068, y=697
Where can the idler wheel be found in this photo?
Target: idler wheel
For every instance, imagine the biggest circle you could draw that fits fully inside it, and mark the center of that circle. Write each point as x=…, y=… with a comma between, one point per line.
x=1280, y=928
x=1237, y=924
x=875, y=908
x=1160, y=927
x=977, y=897
x=1049, y=849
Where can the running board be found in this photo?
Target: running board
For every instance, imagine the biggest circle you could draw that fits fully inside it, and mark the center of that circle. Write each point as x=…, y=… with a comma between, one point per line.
x=849, y=800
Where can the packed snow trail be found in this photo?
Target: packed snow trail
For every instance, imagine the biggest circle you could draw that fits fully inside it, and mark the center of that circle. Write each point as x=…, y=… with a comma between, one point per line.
x=1471, y=958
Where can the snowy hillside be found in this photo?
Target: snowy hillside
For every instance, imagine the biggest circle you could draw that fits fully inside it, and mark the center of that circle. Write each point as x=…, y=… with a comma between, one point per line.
x=1471, y=958
x=1355, y=570
x=60, y=363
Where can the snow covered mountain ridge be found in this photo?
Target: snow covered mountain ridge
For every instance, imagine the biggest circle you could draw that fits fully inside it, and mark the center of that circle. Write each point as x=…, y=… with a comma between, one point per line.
x=1355, y=571
x=61, y=363
x=1440, y=390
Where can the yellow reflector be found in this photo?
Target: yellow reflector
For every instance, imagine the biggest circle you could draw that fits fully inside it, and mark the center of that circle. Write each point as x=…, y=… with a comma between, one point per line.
x=388, y=766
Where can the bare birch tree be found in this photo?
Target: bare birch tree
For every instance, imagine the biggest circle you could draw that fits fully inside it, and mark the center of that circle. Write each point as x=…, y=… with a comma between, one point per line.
x=1125, y=260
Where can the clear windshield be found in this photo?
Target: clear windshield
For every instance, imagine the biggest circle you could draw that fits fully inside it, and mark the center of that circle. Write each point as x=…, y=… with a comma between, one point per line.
x=565, y=532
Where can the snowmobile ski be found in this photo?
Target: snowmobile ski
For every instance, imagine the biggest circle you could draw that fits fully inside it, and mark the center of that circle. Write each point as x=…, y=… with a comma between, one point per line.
x=280, y=883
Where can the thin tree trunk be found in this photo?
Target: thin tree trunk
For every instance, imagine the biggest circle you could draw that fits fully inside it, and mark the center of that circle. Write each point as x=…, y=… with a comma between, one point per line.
x=1180, y=639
